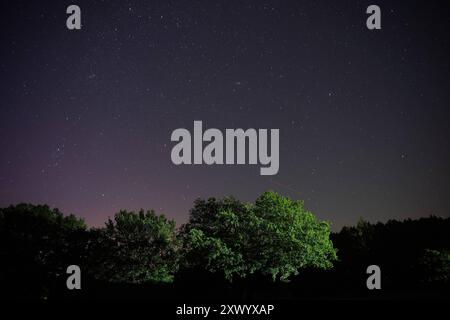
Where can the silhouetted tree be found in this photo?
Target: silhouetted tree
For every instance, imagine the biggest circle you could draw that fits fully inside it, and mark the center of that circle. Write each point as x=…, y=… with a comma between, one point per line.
x=36, y=246
x=396, y=246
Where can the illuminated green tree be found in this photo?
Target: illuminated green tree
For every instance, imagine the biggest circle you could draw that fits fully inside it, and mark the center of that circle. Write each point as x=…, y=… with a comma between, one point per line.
x=275, y=236
x=290, y=237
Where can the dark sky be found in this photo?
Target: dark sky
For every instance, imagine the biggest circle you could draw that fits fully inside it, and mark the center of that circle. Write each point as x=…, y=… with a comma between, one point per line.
x=86, y=116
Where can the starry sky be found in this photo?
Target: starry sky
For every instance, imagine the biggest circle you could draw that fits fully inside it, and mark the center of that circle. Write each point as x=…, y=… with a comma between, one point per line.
x=86, y=115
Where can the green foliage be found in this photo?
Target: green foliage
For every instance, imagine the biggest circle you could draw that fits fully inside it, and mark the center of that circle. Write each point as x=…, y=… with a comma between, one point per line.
x=436, y=264
x=290, y=237
x=135, y=248
x=217, y=237
x=276, y=237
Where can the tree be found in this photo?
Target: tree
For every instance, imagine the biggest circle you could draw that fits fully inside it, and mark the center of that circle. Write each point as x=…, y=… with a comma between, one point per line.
x=436, y=265
x=217, y=237
x=36, y=246
x=135, y=248
x=291, y=238
x=407, y=251
x=275, y=237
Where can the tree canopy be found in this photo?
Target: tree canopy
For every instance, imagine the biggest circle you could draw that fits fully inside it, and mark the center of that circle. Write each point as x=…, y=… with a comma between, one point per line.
x=275, y=236
x=135, y=248
x=37, y=243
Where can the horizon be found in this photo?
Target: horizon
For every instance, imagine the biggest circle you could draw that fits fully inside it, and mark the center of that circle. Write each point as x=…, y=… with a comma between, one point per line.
x=178, y=224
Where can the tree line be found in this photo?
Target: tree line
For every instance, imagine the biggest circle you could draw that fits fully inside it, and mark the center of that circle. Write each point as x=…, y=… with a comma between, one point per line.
x=271, y=248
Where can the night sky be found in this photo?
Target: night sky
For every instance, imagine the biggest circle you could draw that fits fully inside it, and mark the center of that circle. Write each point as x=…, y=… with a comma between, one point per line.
x=86, y=116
